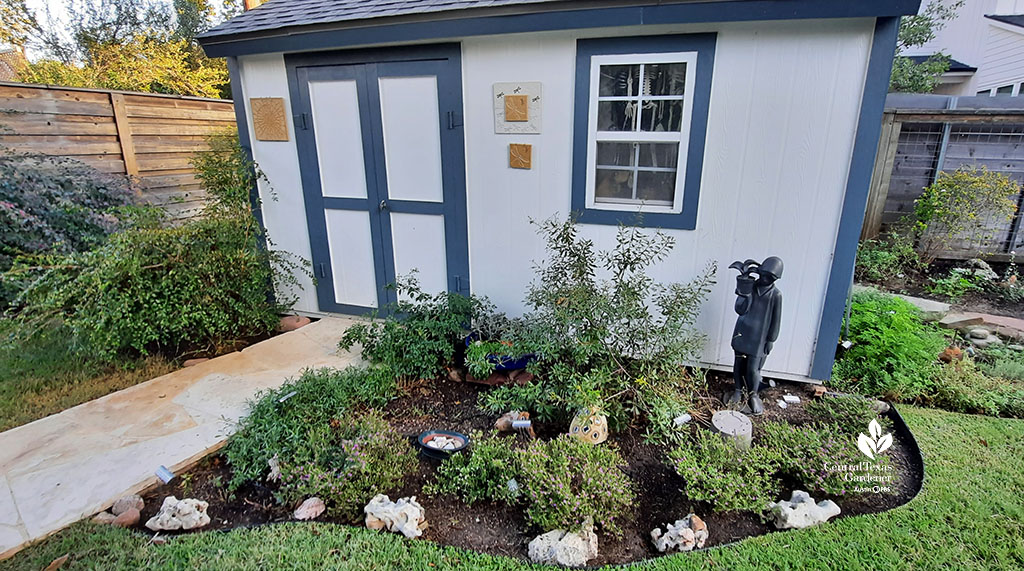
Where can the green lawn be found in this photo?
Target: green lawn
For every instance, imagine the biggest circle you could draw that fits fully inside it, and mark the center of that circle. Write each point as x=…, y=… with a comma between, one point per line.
x=43, y=377
x=969, y=516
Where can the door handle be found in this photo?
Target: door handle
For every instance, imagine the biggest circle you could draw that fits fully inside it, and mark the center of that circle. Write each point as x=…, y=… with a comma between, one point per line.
x=383, y=205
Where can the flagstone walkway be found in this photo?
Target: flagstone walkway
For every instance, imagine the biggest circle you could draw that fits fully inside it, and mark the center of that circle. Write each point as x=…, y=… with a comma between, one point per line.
x=62, y=468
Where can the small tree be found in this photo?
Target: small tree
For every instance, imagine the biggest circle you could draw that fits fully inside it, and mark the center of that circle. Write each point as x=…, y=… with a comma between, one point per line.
x=959, y=204
x=915, y=31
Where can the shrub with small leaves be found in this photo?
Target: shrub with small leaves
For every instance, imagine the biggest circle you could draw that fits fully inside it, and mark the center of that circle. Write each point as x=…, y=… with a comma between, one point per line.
x=963, y=387
x=969, y=201
x=886, y=257
x=289, y=421
x=55, y=205
x=357, y=457
x=809, y=453
x=565, y=481
x=197, y=286
x=849, y=413
x=715, y=471
x=481, y=473
x=417, y=338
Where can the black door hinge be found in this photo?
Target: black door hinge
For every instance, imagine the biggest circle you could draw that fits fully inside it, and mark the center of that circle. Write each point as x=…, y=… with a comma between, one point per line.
x=302, y=120
x=323, y=270
x=454, y=120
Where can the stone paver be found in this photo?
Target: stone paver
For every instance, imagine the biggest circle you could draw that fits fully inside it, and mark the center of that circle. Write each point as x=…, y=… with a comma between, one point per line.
x=1010, y=327
x=68, y=466
x=931, y=310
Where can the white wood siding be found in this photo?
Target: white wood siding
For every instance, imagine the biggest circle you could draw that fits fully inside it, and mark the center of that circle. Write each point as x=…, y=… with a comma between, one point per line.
x=1004, y=59
x=784, y=105
x=284, y=212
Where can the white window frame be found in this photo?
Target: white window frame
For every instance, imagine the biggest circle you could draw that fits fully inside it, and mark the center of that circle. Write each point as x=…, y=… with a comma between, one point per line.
x=682, y=137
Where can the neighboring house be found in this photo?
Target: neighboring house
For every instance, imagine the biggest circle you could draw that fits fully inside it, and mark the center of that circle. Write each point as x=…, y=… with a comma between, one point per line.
x=744, y=129
x=986, y=43
x=11, y=62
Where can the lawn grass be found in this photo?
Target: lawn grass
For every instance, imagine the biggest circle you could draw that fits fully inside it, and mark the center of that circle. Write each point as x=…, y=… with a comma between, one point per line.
x=44, y=376
x=970, y=515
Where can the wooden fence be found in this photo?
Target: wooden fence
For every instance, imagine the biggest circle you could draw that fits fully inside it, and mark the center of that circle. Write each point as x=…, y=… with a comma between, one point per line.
x=918, y=143
x=149, y=136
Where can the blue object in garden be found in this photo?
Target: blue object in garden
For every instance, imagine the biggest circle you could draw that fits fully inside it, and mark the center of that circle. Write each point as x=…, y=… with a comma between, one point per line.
x=504, y=363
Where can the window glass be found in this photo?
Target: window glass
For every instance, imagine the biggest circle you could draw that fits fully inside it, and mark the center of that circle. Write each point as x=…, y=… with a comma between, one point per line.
x=647, y=100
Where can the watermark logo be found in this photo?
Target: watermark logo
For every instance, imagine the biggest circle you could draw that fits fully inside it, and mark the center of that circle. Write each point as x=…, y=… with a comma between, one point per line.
x=876, y=443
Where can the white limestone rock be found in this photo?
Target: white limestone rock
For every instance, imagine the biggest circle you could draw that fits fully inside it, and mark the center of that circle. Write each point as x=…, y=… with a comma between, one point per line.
x=683, y=535
x=560, y=547
x=179, y=514
x=406, y=516
x=801, y=511
x=310, y=509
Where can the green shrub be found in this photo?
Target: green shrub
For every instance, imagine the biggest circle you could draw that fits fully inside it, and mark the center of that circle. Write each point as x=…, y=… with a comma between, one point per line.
x=417, y=338
x=193, y=286
x=1002, y=363
x=482, y=473
x=894, y=354
x=535, y=396
x=886, y=257
x=565, y=481
x=849, y=413
x=715, y=471
x=954, y=285
x=55, y=205
x=962, y=387
x=618, y=343
x=353, y=458
x=801, y=453
x=478, y=357
x=965, y=202
x=197, y=285
x=287, y=422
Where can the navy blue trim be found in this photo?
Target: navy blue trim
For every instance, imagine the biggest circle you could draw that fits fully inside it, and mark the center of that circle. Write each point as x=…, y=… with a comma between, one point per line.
x=365, y=67
x=862, y=162
x=458, y=23
x=704, y=45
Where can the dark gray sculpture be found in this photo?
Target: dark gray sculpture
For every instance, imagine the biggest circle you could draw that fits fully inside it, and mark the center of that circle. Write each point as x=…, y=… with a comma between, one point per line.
x=759, y=305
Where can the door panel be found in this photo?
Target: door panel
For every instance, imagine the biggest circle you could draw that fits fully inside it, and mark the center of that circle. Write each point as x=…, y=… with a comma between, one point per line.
x=419, y=244
x=383, y=172
x=335, y=109
x=350, y=243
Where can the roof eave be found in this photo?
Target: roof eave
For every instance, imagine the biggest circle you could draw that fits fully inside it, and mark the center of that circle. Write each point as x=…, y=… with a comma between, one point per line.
x=539, y=17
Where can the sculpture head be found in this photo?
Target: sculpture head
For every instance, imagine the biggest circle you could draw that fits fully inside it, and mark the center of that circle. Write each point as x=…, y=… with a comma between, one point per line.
x=770, y=270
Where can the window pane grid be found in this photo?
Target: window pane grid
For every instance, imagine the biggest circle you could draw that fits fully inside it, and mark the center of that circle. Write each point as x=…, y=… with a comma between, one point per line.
x=643, y=105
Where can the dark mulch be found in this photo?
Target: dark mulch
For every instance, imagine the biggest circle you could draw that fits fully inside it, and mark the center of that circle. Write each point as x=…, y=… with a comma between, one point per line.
x=502, y=530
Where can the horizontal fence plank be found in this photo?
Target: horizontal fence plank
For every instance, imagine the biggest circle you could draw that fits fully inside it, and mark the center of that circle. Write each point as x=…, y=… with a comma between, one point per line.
x=33, y=92
x=163, y=161
x=170, y=144
x=163, y=180
x=205, y=128
x=63, y=145
x=55, y=106
x=171, y=113
x=166, y=102
x=44, y=124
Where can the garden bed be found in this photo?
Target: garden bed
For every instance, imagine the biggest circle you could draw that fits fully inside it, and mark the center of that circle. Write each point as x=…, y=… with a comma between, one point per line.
x=498, y=528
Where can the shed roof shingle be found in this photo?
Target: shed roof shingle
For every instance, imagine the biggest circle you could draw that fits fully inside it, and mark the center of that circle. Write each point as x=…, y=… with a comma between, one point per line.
x=278, y=14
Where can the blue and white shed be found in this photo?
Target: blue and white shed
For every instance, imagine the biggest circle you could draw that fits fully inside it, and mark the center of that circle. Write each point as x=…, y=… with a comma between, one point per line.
x=426, y=133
